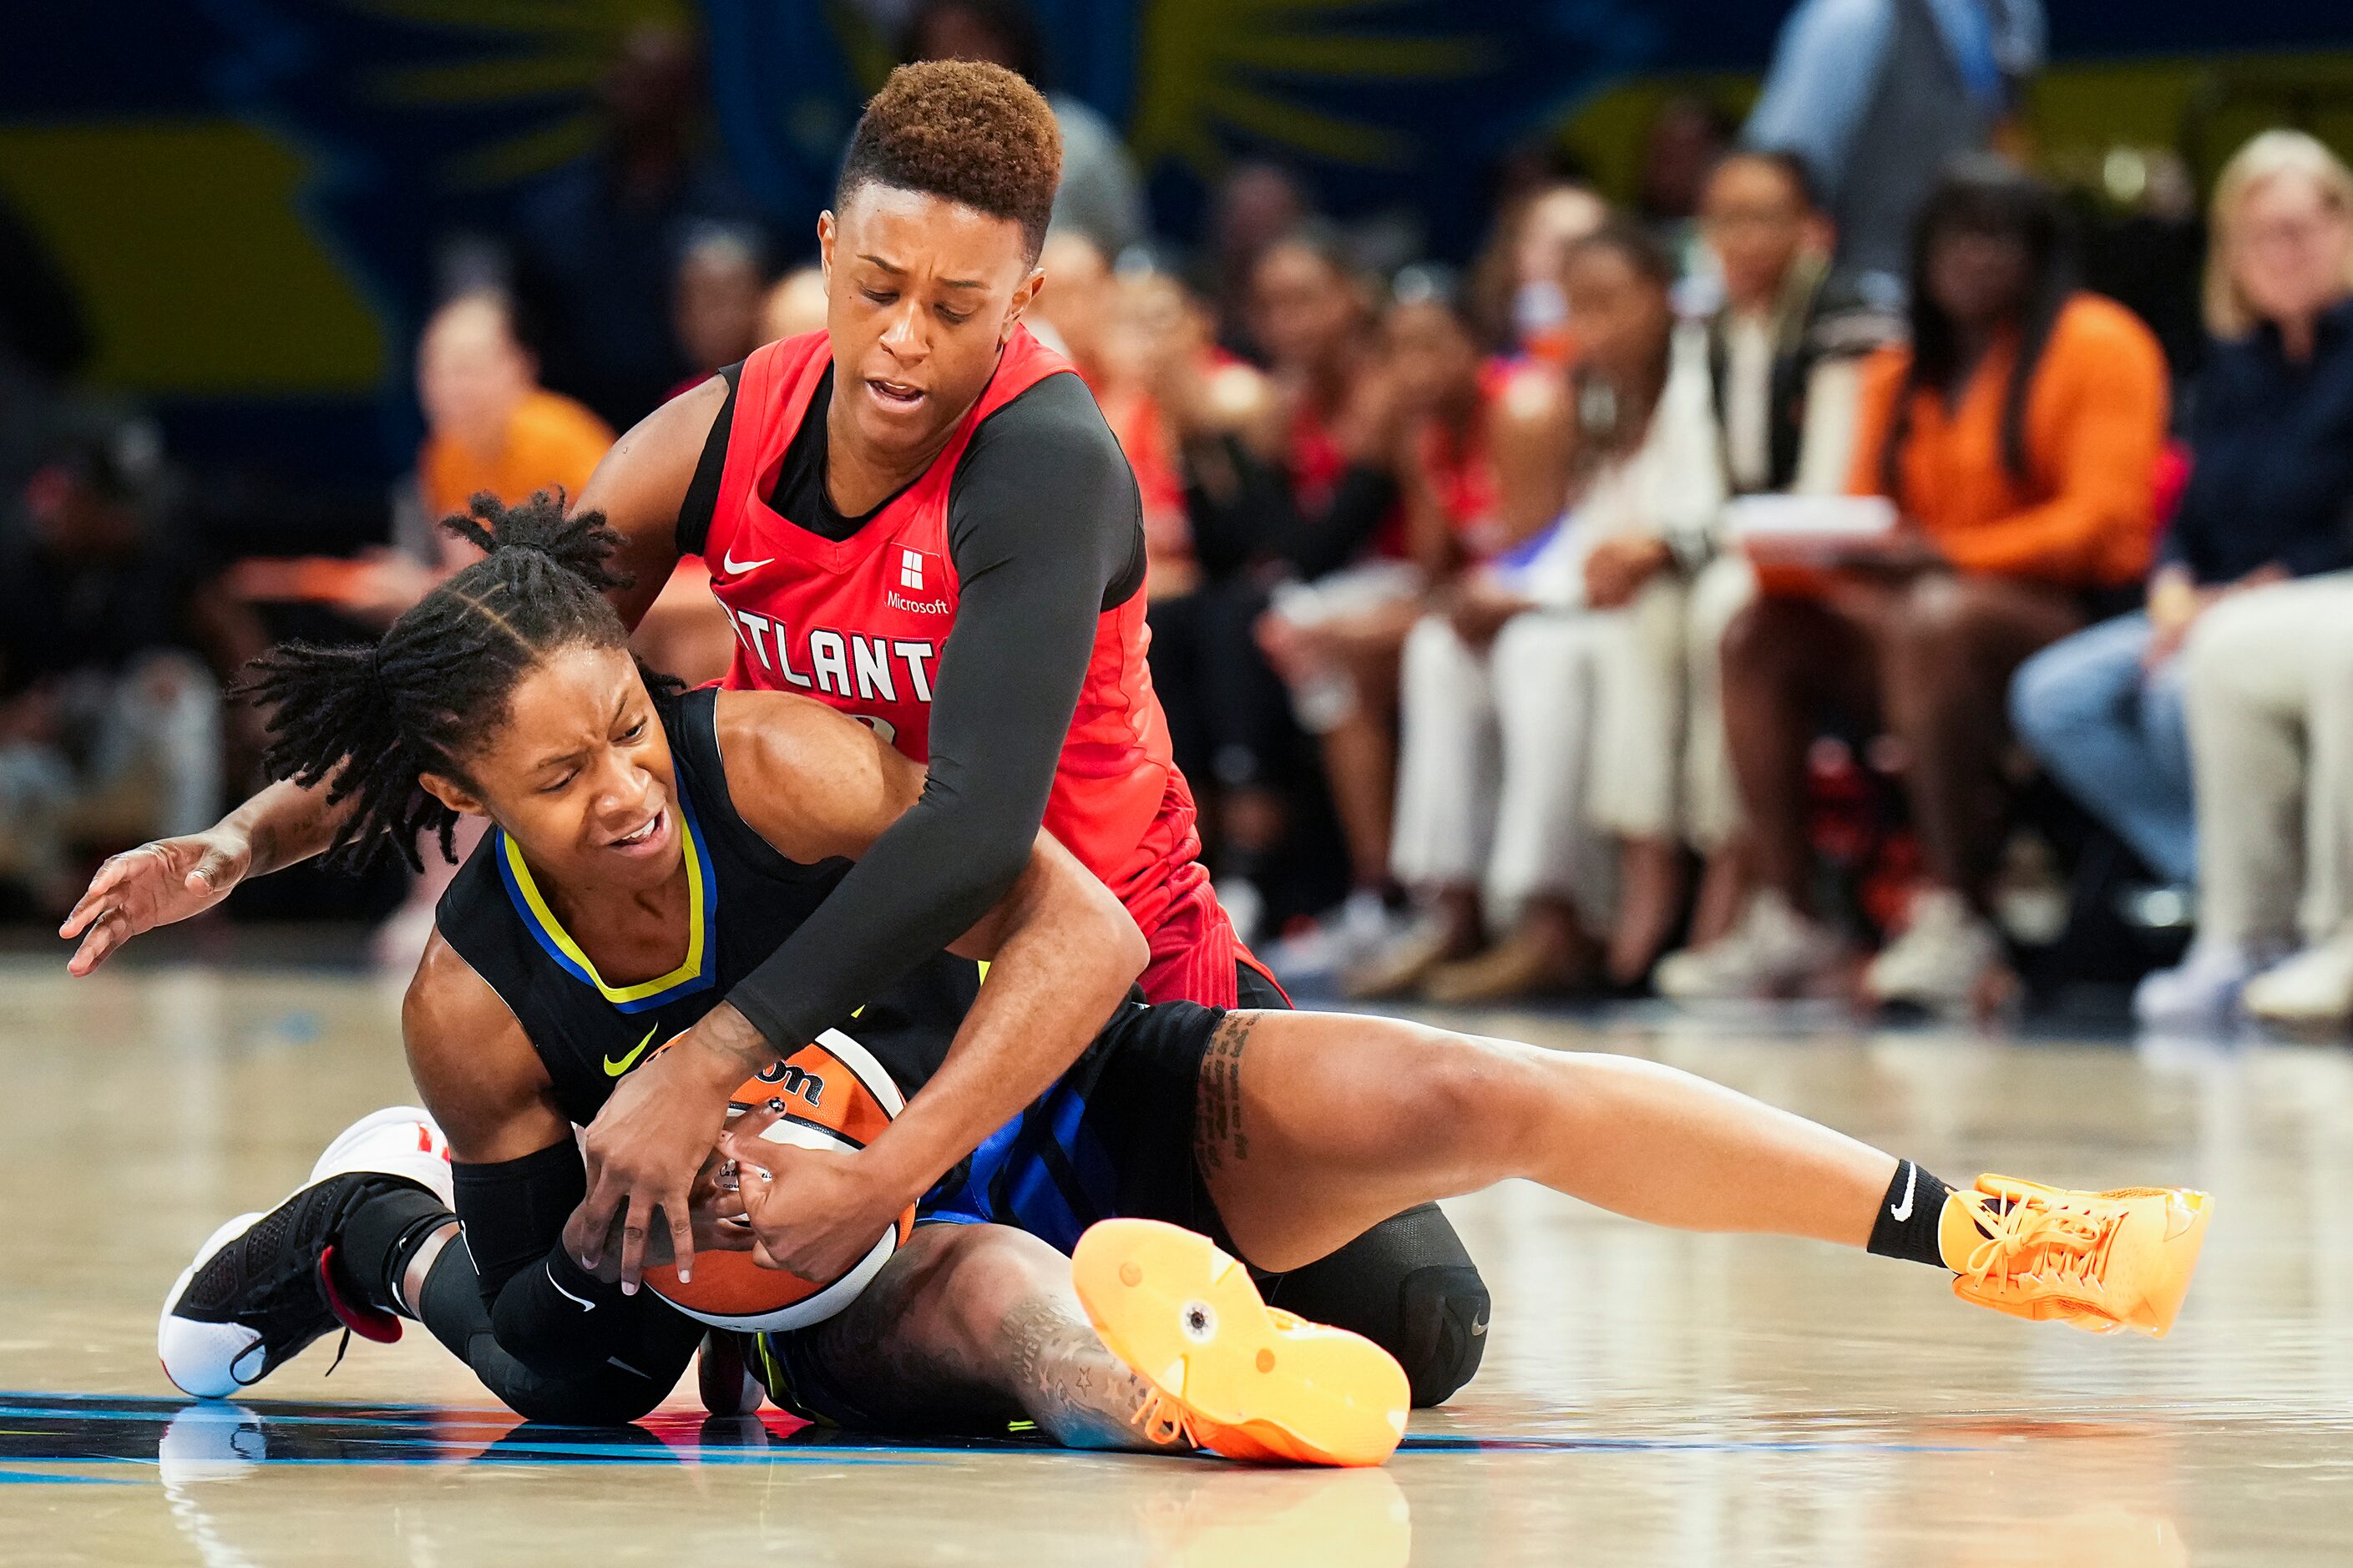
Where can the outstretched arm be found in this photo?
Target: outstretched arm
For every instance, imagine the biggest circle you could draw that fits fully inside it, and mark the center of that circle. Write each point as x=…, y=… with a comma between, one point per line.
x=170, y=879
x=640, y=487
x=819, y=786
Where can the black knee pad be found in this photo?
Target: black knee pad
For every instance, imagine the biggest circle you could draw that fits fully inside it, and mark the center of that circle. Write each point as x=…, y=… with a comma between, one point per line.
x=1444, y=1329
x=1407, y=1286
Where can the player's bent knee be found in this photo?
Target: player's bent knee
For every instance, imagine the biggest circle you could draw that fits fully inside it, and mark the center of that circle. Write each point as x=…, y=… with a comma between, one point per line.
x=1444, y=1313
x=1471, y=1103
x=991, y=1271
x=1409, y=1286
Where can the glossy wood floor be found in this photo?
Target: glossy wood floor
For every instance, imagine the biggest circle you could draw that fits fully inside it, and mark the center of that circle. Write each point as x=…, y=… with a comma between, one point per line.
x=1648, y=1397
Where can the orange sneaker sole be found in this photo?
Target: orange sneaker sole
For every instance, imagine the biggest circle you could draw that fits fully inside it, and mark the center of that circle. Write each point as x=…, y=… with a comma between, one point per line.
x=1259, y=1385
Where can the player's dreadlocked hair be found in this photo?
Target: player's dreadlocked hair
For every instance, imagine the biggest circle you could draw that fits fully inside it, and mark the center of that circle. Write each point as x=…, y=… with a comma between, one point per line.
x=372, y=717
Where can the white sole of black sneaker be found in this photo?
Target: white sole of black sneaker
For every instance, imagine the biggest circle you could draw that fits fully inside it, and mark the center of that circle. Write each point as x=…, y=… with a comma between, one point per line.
x=199, y=1346
x=191, y=1351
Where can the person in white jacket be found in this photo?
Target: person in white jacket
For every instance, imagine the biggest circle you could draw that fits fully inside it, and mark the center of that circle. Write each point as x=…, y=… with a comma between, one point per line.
x=1560, y=737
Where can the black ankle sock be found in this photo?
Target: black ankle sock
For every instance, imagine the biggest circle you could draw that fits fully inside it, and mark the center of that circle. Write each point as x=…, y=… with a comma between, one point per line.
x=1909, y=1217
x=377, y=1242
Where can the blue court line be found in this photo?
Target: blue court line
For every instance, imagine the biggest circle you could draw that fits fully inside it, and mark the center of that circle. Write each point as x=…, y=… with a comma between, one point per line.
x=390, y=1435
x=1437, y=1444
x=41, y=1479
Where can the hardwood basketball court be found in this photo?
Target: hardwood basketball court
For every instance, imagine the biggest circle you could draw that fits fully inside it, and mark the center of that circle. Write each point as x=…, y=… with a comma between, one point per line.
x=1647, y=1397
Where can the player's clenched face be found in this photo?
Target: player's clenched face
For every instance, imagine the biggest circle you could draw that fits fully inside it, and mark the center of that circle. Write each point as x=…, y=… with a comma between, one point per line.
x=579, y=775
x=921, y=293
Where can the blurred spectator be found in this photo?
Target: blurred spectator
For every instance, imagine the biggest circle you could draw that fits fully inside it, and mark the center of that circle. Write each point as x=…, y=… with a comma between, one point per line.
x=717, y=303
x=2019, y=437
x=1254, y=207
x=1783, y=369
x=115, y=639
x=1191, y=417
x=794, y=306
x=1071, y=312
x=1099, y=197
x=1527, y=167
x=489, y=426
x=1686, y=137
x=1544, y=706
x=1516, y=293
x=597, y=248
x=2269, y=671
x=1206, y=433
x=1878, y=97
x=1784, y=374
x=1336, y=627
x=1484, y=462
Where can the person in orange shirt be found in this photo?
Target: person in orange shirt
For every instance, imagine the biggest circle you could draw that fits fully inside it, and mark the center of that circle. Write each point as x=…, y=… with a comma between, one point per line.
x=2018, y=435
x=490, y=426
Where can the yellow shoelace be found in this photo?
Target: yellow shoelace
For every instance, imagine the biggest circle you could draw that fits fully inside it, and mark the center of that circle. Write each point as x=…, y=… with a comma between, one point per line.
x=1164, y=1420
x=2065, y=1244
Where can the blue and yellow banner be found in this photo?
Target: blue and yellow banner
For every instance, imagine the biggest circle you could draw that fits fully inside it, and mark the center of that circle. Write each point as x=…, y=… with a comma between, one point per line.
x=249, y=194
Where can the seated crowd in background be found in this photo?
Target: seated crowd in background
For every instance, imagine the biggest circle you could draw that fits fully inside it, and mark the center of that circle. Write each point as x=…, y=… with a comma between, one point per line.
x=1483, y=690
x=2018, y=434
x=2214, y=731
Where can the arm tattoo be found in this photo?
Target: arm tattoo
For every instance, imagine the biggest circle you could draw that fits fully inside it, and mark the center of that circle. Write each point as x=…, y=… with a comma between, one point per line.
x=1217, y=1134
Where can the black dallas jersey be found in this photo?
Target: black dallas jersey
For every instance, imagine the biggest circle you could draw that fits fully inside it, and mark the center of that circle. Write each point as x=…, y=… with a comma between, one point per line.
x=745, y=899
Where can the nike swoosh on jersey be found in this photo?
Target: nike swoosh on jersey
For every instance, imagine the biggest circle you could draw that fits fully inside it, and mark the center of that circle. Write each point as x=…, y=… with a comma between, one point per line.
x=616, y=1068
x=728, y=563
x=1903, y=1211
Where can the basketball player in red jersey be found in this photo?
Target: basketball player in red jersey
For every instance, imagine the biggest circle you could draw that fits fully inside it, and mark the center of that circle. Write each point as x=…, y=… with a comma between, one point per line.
x=918, y=516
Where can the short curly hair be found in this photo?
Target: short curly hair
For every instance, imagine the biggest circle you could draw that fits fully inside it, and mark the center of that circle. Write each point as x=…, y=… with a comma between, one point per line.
x=973, y=132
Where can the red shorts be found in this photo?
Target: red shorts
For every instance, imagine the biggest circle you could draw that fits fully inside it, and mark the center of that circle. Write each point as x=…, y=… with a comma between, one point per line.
x=1195, y=950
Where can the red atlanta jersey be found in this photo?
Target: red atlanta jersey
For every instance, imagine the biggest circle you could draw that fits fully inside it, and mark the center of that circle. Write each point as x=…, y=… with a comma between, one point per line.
x=859, y=624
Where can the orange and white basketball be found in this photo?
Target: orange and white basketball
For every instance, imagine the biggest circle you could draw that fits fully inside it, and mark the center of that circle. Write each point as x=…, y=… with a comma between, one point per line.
x=831, y=1094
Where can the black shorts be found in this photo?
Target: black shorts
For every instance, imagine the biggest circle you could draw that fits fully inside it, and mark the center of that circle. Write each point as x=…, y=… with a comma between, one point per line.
x=1112, y=1139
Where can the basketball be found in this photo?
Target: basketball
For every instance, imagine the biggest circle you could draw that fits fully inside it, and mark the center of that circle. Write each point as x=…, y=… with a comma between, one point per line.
x=831, y=1094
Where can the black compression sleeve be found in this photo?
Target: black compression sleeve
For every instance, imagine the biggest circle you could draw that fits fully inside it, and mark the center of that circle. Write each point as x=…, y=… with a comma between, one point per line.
x=545, y=1310
x=1045, y=522
x=514, y=1212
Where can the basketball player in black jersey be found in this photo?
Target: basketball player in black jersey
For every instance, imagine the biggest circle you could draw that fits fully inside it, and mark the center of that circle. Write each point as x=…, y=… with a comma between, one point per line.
x=510, y=693
x=932, y=248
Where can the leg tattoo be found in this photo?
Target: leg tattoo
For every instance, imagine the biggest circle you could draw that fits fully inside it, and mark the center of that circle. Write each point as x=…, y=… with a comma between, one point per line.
x=1069, y=1385
x=1217, y=1134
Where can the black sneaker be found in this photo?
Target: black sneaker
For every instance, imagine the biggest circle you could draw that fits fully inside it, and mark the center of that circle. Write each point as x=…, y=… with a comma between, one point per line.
x=262, y=1289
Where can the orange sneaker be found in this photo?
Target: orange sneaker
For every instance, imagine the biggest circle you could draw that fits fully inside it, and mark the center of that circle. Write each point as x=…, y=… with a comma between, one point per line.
x=2100, y=1261
x=1238, y=1376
